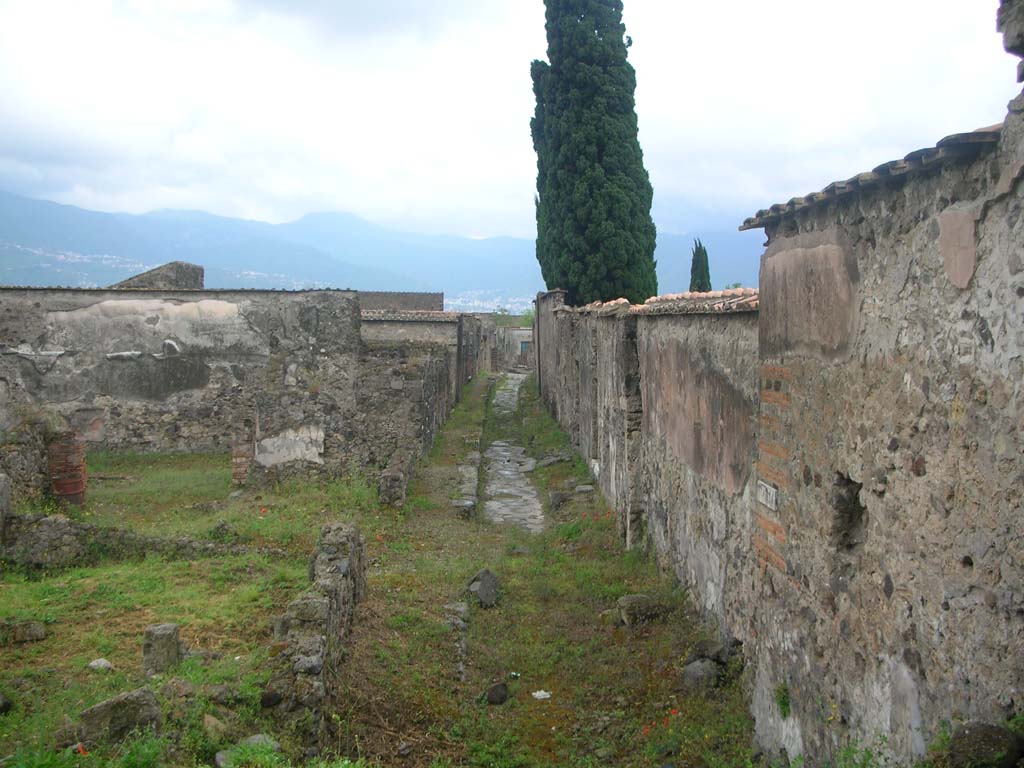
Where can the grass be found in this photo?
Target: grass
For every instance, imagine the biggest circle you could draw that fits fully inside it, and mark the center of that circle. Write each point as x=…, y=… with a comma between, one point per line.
x=173, y=495
x=402, y=702
x=545, y=634
x=223, y=606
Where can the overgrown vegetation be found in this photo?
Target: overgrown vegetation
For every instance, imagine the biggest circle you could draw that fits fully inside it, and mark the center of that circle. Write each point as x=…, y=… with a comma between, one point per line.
x=403, y=702
x=782, y=699
x=503, y=318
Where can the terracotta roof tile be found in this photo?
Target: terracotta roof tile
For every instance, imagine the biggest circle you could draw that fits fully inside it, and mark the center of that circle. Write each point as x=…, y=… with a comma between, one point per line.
x=958, y=146
x=694, y=303
x=689, y=303
x=409, y=316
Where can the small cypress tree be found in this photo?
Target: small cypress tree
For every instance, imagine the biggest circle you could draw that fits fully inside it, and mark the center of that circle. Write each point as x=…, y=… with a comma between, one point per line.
x=700, y=272
x=595, y=235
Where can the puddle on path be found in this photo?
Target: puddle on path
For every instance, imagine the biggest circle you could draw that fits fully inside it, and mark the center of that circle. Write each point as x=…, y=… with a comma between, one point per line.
x=511, y=497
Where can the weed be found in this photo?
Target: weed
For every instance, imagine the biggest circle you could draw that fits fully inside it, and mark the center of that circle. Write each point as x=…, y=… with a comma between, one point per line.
x=1015, y=723
x=256, y=756
x=505, y=752
x=782, y=700
x=43, y=758
x=143, y=751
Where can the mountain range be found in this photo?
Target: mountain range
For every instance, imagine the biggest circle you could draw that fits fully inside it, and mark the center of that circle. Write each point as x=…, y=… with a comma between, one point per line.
x=48, y=244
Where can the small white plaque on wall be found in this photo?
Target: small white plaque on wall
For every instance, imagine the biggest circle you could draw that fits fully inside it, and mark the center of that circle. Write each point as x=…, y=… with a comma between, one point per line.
x=768, y=495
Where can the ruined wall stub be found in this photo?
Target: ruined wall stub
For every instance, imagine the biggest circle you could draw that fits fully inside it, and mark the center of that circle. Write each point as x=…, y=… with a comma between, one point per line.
x=546, y=344
x=176, y=275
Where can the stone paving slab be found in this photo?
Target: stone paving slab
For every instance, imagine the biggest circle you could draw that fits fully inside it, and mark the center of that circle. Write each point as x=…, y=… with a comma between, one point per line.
x=511, y=497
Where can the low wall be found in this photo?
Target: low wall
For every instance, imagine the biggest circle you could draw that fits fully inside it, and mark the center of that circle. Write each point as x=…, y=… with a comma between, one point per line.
x=312, y=635
x=53, y=542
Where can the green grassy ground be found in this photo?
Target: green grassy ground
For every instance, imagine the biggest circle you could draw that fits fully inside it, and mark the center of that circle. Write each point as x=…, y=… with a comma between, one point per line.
x=612, y=701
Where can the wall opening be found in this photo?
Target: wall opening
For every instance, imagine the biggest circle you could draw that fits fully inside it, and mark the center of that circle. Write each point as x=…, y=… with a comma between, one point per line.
x=849, y=520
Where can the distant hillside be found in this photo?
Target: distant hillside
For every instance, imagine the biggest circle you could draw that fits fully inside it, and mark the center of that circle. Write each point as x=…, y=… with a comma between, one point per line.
x=44, y=243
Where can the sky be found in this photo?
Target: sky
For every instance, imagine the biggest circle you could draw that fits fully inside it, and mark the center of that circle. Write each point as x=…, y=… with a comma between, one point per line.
x=415, y=113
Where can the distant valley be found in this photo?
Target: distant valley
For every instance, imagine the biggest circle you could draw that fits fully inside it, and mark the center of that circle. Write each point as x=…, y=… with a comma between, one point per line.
x=47, y=244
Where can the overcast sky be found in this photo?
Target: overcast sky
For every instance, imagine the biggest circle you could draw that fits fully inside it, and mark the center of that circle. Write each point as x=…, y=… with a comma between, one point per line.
x=415, y=113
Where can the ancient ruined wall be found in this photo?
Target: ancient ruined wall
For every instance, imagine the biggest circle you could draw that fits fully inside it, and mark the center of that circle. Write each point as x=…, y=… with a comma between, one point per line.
x=509, y=347
x=843, y=491
x=488, y=343
x=545, y=345
x=404, y=396
x=312, y=637
x=402, y=300
x=891, y=415
x=182, y=371
x=152, y=370
x=176, y=275
x=471, y=350
x=429, y=328
x=698, y=384
x=657, y=398
x=460, y=334
x=610, y=427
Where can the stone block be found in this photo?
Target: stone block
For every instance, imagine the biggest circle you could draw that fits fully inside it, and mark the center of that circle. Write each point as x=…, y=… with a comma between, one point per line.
x=391, y=491
x=161, y=648
x=984, y=745
x=485, y=587
x=699, y=677
x=639, y=609
x=116, y=718
x=17, y=632
x=5, y=501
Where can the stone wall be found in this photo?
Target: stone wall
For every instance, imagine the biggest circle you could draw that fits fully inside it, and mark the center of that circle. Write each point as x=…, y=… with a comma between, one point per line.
x=163, y=370
x=404, y=397
x=838, y=478
x=152, y=370
x=661, y=402
x=402, y=300
x=53, y=542
x=509, y=351
x=461, y=334
x=312, y=635
x=694, y=477
x=176, y=275
x=891, y=410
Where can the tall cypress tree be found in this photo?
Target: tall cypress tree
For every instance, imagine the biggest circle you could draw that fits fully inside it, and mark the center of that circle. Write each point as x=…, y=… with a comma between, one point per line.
x=595, y=235
x=700, y=272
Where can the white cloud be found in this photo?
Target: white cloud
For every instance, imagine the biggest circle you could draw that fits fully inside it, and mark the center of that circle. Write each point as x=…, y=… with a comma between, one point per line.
x=417, y=114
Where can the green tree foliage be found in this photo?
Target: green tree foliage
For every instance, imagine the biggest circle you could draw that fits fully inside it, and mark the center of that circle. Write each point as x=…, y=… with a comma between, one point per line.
x=595, y=235
x=700, y=272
